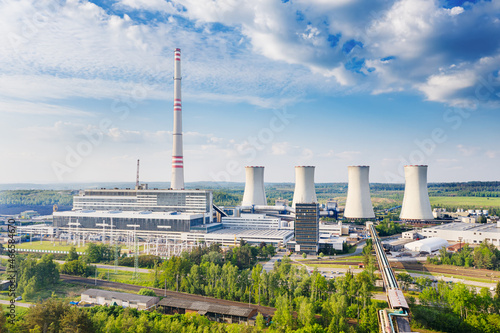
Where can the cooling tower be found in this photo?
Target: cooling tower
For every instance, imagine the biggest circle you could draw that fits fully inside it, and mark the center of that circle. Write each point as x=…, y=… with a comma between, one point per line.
x=416, y=205
x=358, y=204
x=305, y=192
x=254, y=194
x=177, y=181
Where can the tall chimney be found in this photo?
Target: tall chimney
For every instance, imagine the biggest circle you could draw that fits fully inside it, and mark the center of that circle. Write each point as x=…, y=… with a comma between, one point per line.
x=177, y=181
x=358, y=204
x=416, y=204
x=255, y=193
x=305, y=191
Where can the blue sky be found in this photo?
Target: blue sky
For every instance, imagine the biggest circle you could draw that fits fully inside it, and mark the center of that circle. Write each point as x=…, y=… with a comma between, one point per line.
x=86, y=88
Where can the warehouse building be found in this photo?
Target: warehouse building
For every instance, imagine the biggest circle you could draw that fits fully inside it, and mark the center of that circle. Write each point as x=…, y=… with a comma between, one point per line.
x=126, y=300
x=251, y=221
x=428, y=245
x=215, y=312
x=471, y=233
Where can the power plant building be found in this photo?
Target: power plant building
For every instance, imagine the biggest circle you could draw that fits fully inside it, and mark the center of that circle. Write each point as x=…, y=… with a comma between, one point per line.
x=416, y=204
x=306, y=227
x=358, y=204
x=251, y=221
x=185, y=201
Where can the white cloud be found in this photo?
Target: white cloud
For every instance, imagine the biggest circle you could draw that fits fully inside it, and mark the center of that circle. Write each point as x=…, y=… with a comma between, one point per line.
x=456, y=10
x=467, y=151
x=492, y=153
x=149, y=5
x=40, y=109
x=442, y=87
x=280, y=148
x=348, y=155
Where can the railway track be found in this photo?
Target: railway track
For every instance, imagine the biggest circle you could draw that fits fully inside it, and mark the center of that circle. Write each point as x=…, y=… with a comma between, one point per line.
x=91, y=283
x=265, y=310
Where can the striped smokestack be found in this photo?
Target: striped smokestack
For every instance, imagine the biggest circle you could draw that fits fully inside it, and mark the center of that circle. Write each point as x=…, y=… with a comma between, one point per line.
x=177, y=182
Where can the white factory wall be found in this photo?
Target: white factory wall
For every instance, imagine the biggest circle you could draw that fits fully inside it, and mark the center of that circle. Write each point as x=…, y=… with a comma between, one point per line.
x=473, y=236
x=252, y=221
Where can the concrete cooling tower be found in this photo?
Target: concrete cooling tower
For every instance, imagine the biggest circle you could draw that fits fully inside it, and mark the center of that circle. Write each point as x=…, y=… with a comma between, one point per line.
x=305, y=191
x=416, y=205
x=358, y=204
x=255, y=193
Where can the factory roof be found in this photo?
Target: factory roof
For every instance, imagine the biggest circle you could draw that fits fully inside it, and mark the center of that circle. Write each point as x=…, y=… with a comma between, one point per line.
x=129, y=214
x=427, y=245
x=204, y=307
x=399, y=241
x=253, y=232
x=459, y=226
x=121, y=296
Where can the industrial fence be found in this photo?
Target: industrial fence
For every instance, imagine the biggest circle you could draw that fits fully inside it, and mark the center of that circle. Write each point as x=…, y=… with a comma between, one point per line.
x=44, y=251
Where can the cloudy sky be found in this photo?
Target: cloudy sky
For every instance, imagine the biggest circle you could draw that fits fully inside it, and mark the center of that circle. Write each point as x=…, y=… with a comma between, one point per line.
x=86, y=88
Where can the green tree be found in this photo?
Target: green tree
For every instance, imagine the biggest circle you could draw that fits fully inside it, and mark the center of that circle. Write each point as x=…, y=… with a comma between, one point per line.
x=405, y=280
x=305, y=312
x=76, y=320
x=46, y=315
x=282, y=318
x=260, y=322
x=147, y=292
x=72, y=254
x=77, y=267
x=30, y=289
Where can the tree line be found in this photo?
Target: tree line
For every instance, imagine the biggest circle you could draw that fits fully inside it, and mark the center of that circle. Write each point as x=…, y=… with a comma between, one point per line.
x=484, y=256
x=455, y=308
x=36, y=197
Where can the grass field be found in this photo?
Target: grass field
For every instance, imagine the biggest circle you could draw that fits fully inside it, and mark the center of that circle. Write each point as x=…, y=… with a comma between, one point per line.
x=46, y=245
x=20, y=311
x=466, y=202
x=145, y=279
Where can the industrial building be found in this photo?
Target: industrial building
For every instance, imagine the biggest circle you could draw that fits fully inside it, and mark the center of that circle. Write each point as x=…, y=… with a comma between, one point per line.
x=179, y=215
x=216, y=312
x=126, y=300
x=233, y=236
x=145, y=221
x=416, y=204
x=470, y=233
x=358, y=203
x=252, y=221
x=428, y=245
x=184, y=201
x=306, y=227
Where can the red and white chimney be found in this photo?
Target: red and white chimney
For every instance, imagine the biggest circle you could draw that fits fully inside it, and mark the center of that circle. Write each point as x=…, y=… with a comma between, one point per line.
x=177, y=181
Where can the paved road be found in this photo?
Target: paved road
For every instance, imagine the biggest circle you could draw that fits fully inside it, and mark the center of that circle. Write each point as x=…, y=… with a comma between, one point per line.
x=438, y=276
x=23, y=305
x=359, y=249
x=268, y=266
